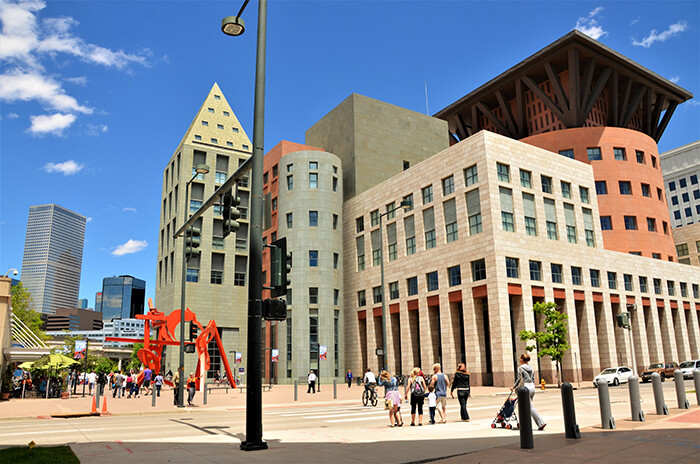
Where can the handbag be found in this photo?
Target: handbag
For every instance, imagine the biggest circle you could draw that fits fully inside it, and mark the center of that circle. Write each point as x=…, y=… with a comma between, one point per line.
x=387, y=404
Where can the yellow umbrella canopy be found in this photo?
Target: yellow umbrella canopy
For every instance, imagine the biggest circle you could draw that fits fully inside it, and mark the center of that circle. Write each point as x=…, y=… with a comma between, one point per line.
x=26, y=365
x=54, y=361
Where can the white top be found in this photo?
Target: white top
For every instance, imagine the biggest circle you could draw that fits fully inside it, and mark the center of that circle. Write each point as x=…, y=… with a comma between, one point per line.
x=92, y=377
x=312, y=377
x=370, y=378
x=432, y=400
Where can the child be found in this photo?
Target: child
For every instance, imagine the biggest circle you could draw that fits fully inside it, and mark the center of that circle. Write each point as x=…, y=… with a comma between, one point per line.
x=432, y=403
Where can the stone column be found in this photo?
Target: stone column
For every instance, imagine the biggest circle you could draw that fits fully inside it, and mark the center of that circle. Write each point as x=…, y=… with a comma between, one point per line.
x=653, y=333
x=682, y=339
x=667, y=333
x=589, y=354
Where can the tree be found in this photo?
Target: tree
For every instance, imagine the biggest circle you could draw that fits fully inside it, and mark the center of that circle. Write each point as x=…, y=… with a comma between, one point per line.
x=552, y=341
x=134, y=362
x=22, y=308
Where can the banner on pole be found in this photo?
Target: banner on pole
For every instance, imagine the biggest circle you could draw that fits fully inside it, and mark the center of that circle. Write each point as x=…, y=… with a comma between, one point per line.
x=275, y=355
x=80, y=347
x=322, y=352
x=239, y=358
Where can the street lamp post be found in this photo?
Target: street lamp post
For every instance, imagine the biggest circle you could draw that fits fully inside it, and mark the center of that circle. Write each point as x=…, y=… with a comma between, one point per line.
x=405, y=205
x=234, y=25
x=199, y=169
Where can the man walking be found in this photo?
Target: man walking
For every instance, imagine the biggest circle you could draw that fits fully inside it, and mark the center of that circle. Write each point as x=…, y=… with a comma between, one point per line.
x=440, y=382
x=348, y=378
x=312, y=382
x=158, y=384
x=147, y=375
x=92, y=380
x=176, y=385
x=117, y=379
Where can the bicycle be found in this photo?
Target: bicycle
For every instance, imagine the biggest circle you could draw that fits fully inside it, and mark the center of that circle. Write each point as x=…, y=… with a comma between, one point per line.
x=370, y=396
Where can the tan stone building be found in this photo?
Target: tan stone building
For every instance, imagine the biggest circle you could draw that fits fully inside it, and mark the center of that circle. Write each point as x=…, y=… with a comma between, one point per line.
x=496, y=226
x=687, y=239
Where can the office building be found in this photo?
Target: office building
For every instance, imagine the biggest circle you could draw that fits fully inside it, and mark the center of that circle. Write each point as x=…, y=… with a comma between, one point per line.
x=98, y=301
x=681, y=169
x=83, y=303
x=120, y=328
x=123, y=297
x=216, y=287
x=687, y=239
x=74, y=319
x=53, y=257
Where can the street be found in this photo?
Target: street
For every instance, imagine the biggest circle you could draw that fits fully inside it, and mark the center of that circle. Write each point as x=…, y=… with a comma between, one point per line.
x=348, y=432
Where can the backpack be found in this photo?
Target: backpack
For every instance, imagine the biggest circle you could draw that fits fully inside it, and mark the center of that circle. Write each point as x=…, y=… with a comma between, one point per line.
x=417, y=387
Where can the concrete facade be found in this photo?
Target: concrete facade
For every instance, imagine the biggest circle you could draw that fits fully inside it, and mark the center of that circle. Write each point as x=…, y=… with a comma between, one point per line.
x=681, y=169
x=687, y=239
x=474, y=314
x=74, y=319
x=217, y=283
x=375, y=140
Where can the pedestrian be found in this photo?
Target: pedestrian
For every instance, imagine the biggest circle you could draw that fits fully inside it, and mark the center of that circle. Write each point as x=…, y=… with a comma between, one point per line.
x=348, y=378
x=101, y=381
x=312, y=382
x=370, y=380
x=118, y=379
x=147, y=375
x=432, y=402
x=130, y=383
x=176, y=385
x=440, y=381
x=92, y=381
x=158, y=384
x=526, y=378
x=392, y=398
x=124, y=384
x=417, y=387
x=460, y=382
x=191, y=388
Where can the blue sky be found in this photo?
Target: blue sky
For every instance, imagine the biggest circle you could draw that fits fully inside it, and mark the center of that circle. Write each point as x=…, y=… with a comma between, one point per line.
x=95, y=96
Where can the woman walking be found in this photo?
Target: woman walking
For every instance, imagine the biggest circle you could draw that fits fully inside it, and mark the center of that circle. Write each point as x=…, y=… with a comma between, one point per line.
x=192, y=388
x=526, y=378
x=418, y=388
x=460, y=382
x=392, y=398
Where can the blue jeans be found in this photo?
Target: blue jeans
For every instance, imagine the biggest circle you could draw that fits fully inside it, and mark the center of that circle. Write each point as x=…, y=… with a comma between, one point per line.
x=431, y=409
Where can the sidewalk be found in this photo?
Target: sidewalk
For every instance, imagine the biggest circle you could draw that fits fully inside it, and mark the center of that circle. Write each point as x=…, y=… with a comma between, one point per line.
x=218, y=399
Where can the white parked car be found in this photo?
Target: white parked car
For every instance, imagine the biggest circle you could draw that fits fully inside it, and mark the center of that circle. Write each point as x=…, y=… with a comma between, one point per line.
x=614, y=375
x=688, y=367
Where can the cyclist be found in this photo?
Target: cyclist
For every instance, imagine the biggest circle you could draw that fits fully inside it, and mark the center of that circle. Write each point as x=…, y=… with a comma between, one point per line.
x=370, y=381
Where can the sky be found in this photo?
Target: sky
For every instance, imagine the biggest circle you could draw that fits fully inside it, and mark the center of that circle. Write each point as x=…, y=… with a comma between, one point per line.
x=96, y=95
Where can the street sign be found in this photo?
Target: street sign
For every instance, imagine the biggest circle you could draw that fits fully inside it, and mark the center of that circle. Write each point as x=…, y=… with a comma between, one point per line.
x=379, y=352
x=322, y=352
x=241, y=370
x=275, y=355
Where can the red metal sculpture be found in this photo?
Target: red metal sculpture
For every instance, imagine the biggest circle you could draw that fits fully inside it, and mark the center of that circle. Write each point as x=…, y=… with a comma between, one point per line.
x=152, y=351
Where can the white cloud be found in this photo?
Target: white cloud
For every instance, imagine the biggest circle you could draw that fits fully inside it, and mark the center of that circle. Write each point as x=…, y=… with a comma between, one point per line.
x=12, y=115
x=67, y=167
x=51, y=124
x=693, y=102
x=34, y=86
x=80, y=80
x=89, y=219
x=634, y=21
x=95, y=129
x=131, y=246
x=674, y=79
x=129, y=209
x=654, y=36
x=589, y=25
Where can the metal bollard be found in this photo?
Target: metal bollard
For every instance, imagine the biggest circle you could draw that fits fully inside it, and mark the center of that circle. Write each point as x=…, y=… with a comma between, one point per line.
x=606, y=418
x=680, y=390
x=153, y=397
x=296, y=384
x=661, y=408
x=526, y=439
x=97, y=395
x=567, y=403
x=696, y=380
x=635, y=400
x=205, y=392
x=335, y=389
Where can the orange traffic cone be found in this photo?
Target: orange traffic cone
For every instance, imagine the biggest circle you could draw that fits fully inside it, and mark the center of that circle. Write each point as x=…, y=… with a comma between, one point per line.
x=94, y=406
x=104, y=407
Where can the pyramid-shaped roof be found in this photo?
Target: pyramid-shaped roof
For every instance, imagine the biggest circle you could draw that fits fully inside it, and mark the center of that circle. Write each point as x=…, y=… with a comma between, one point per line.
x=216, y=124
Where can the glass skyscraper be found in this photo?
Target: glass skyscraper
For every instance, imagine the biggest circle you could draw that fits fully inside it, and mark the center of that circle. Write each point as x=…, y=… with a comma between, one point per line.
x=53, y=257
x=122, y=297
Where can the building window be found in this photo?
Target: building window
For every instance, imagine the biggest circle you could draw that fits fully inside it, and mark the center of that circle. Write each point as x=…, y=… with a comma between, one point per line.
x=313, y=258
x=359, y=224
x=471, y=176
x=406, y=165
x=657, y=286
x=427, y=194
x=217, y=97
x=374, y=218
x=220, y=177
x=220, y=126
x=630, y=223
x=512, y=270
x=192, y=275
x=682, y=183
x=671, y=286
x=229, y=144
x=576, y=278
x=684, y=289
x=612, y=280
x=585, y=197
x=360, y=246
x=696, y=291
x=432, y=280
x=290, y=182
x=674, y=200
x=239, y=279
x=429, y=228
x=605, y=223
x=213, y=140
x=643, y=287
x=410, y=233
x=601, y=187
x=335, y=184
x=377, y=294
x=593, y=154
x=567, y=153
x=656, y=255
x=640, y=157
x=620, y=154
x=335, y=222
x=313, y=218
x=205, y=123
x=660, y=194
x=361, y=298
x=454, y=276
x=546, y=184
x=274, y=204
x=556, y=273
x=409, y=200
x=313, y=295
x=682, y=249
x=290, y=220
x=195, y=205
x=290, y=167
x=525, y=179
x=217, y=277
x=629, y=286
x=646, y=191
x=588, y=226
x=336, y=257
x=412, y=286
x=450, y=215
x=686, y=197
x=595, y=278
x=393, y=290
x=503, y=172
x=535, y=270
x=313, y=338
x=551, y=219
x=566, y=189
x=198, y=137
x=478, y=269
x=448, y=185
x=474, y=212
x=507, y=221
x=390, y=211
x=625, y=187
x=313, y=165
x=313, y=180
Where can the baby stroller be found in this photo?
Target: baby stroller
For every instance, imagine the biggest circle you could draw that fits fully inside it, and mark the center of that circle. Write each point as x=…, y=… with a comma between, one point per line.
x=507, y=414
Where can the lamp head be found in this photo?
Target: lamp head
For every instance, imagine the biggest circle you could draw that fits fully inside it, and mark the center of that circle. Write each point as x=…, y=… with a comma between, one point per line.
x=202, y=169
x=232, y=25
x=13, y=271
x=405, y=204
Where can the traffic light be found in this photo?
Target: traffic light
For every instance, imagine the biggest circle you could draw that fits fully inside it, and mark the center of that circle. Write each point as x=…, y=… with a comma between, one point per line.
x=274, y=309
x=231, y=213
x=280, y=267
x=193, y=331
x=192, y=241
x=623, y=320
